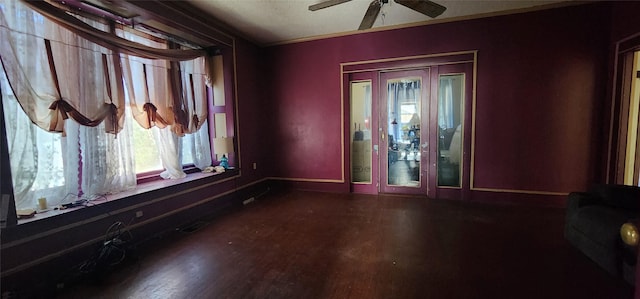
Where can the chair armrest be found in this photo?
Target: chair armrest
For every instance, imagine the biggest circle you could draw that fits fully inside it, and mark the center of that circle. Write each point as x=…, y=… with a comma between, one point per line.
x=619, y=196
x=580, y=199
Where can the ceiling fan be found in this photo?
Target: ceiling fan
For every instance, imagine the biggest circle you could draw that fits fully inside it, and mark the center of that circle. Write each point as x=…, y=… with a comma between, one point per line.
x=425, y=7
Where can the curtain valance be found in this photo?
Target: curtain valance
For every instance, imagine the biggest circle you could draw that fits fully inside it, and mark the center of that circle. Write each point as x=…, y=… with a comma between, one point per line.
x=107, y=39
x=86, y=72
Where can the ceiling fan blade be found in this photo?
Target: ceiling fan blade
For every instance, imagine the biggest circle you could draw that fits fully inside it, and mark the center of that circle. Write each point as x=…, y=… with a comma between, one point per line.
x=371, y=15
x=325, y=4
x=425, y=7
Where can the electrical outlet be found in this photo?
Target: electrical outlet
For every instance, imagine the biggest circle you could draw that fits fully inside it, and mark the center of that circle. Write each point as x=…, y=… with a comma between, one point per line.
x=255, y=165
x=139, y=214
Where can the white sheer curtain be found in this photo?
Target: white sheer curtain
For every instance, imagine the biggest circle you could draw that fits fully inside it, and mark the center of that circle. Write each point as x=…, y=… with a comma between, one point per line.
x=108, y=164
x=196, y=144
x=39, y=160
x=55, y=74
x=196, y=147
x=48, y=164
x=169, y=153
x=147, y=85
x=151, y=100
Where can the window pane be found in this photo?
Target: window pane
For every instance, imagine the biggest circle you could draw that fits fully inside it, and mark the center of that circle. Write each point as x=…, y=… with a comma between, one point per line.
x=147, y=155
x=36, y=156
x=450, y=95
x=403, y=127
x=187, y=144
x=360, y=132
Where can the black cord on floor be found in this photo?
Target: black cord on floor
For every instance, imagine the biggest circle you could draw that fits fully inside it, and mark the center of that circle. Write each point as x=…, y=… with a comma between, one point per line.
x=111, y=252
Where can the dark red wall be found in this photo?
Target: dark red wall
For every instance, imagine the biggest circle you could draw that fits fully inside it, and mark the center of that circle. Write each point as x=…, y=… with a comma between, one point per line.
x=253, y=120
x=625, y=20
x=541, y=86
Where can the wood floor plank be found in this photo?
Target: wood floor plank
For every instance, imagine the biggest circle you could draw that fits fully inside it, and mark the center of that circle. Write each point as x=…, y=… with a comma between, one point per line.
x=298, y=244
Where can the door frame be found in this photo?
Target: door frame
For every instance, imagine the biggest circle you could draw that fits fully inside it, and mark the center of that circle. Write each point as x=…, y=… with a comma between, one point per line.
x=466, y=177
x=406, y=63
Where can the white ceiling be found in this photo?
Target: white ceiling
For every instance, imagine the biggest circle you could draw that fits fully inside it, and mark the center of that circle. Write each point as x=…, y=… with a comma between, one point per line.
x=275, y=21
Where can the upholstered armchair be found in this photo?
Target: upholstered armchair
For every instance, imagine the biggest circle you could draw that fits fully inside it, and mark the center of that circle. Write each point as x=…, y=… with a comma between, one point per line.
x=593, y=224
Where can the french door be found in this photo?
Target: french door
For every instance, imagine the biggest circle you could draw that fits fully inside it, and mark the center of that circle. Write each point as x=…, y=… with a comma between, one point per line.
x=389, y=131
x=404, y=129
x=409, y=130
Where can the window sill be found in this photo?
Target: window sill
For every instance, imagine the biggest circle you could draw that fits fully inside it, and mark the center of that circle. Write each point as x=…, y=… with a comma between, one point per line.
x=142, y=187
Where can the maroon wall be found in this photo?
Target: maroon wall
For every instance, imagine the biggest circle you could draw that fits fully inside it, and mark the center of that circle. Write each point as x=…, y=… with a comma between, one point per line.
x=252, y=118
x=625, y=20
x=541, y=85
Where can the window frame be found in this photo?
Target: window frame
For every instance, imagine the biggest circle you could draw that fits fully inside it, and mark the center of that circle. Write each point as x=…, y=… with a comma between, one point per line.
x=228, y=55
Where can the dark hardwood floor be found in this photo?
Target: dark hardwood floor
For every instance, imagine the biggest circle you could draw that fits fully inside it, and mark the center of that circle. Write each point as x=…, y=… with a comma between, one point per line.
x=297, y=244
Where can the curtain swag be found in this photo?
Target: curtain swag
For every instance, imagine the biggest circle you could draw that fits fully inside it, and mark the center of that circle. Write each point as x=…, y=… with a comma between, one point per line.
x=63, y=109
x=153, y=118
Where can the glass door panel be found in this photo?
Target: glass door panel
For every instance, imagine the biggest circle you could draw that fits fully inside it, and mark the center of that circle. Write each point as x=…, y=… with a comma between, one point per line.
x=450, y=115
x=404, y=122
x=403, y=127
x=361, y=132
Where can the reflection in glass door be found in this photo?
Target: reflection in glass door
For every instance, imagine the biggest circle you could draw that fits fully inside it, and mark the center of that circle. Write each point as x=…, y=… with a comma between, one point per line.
x=450, y=113
x=404, y=123
x=361, y=132
x=403, y=127
x=417, y=119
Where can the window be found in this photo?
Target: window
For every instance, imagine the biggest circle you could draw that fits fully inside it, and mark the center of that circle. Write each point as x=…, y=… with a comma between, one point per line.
x=145, y=148
x=84, y=132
